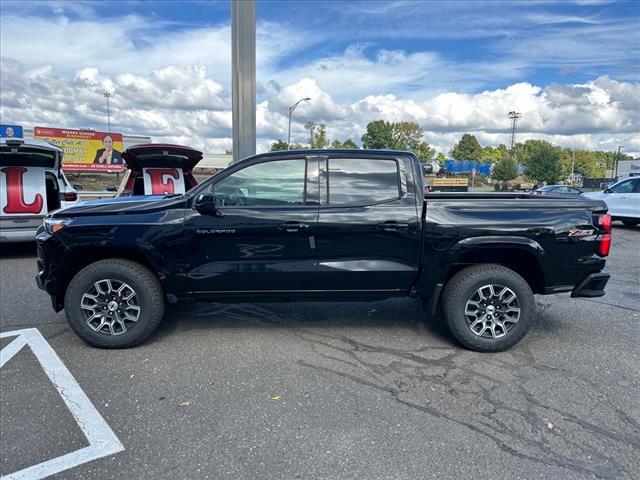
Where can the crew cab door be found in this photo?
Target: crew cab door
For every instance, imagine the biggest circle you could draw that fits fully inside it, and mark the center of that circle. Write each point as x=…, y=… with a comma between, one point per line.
x=259, y=239
x=368, y=229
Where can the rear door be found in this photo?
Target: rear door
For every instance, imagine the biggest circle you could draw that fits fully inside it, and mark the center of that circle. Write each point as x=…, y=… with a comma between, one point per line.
x=368, y=224
x=261, y=239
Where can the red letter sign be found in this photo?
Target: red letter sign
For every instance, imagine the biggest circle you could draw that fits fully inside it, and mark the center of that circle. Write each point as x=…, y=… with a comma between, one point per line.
x=163, y=181
x=15, y=196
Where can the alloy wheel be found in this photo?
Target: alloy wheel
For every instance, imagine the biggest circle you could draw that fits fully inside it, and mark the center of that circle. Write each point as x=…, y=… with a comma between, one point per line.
x=492, y=311
x=110, y=307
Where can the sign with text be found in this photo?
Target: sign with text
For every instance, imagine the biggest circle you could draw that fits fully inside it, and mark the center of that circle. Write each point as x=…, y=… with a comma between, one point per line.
x=22, y=191
x=85, y=149
x=163, y=181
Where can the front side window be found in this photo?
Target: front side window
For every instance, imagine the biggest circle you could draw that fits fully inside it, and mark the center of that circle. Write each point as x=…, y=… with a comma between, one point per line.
x=623, y=187
x=362, y=181
x=279, y=182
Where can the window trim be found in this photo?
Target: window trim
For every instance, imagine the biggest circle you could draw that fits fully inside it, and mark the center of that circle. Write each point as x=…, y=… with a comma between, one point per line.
x=327, y=172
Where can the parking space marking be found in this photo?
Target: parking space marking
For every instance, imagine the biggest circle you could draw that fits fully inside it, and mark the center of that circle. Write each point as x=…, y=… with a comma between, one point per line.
x=102, y=440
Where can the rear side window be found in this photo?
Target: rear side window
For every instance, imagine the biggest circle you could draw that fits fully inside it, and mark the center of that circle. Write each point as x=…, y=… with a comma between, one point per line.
x=362, y=181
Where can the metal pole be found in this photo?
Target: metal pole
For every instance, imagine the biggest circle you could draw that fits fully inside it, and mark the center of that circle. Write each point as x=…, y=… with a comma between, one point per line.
x=573, y=166
x=291, y=109
x=618, y=161
x=107, y=95
x=243, y=78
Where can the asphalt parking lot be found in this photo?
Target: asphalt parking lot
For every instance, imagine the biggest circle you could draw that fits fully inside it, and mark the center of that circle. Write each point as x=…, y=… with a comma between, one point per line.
x=347, y=390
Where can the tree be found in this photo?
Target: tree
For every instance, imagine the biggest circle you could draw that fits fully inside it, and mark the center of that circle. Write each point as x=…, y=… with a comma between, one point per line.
x=406, y=135
x=279, y=145
x=544, y=163
x=441, y=158
x=348, y=144
x=424, y=152
x=379, y=135
x=319, y=137
x=505, y=169
x=467, y=148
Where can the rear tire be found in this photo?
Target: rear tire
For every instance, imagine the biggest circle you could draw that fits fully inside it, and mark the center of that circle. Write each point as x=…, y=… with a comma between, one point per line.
x=114, y=303
x=496, y=323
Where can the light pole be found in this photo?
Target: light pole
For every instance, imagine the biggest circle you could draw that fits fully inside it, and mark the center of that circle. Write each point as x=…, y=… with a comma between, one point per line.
x=618, y=160
x=107, y=95
x=291, y=109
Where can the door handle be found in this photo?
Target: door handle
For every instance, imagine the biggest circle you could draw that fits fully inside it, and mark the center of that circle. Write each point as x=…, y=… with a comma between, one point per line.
x=392, y=226
x=293, y=227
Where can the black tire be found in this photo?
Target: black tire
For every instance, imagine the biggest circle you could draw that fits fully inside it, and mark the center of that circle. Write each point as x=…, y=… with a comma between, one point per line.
x=630, y=223
x=149, y=296
x=462, y=287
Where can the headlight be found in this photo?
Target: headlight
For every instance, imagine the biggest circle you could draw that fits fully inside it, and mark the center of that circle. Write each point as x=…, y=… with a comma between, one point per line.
x=53, y=225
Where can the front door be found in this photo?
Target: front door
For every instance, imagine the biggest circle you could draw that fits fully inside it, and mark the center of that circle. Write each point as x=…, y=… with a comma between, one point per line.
x=368, y=229
x=260, y=239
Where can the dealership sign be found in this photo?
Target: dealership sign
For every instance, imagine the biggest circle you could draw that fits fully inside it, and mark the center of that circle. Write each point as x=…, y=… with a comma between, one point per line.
x=163, y=181
x=85, y=149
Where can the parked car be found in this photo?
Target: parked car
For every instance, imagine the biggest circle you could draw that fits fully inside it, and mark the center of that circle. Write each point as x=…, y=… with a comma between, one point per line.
x=158, y=169
x=558, y=190
x=321, y=225
x=31, y=185
x=622, y=199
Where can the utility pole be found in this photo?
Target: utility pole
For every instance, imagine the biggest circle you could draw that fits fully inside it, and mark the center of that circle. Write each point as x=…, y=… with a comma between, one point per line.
x=107, y=95
x=514, y=117
x=243, y=78
x=573, y=166
x=291, y=109
x=618, y=160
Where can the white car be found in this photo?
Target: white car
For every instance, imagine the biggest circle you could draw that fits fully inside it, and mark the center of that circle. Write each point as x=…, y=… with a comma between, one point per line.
x=31, y=185
x=622, y=199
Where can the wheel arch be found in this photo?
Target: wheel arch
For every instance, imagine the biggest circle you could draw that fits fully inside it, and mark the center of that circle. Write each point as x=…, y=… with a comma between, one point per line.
x=520, y=254
x=80, y=257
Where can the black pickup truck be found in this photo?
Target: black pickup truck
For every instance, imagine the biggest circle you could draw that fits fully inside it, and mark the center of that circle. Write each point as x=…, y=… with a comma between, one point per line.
x=321, y=225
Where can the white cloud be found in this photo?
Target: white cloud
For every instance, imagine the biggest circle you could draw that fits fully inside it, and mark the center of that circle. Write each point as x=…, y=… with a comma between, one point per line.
x=185, y=104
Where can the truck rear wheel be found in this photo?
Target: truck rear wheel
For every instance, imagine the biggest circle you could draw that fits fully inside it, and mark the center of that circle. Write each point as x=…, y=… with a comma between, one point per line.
x=488, y=308
x=114, y=303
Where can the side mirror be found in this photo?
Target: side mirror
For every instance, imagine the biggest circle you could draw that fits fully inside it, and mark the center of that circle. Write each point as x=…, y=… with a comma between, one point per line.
x=205, y=204
x=607, y=190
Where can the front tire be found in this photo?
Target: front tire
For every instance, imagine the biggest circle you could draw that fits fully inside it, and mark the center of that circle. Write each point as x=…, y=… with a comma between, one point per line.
x=488, y=308
x=114, y=303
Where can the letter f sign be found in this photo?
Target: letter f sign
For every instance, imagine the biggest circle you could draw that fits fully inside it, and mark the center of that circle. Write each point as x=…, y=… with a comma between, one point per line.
x=16, y=186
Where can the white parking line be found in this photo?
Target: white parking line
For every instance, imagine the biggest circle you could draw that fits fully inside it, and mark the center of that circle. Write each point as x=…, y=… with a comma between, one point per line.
x=102, y=440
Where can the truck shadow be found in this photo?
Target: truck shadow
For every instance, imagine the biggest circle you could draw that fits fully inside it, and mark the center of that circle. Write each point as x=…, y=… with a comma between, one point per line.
x=18, y=250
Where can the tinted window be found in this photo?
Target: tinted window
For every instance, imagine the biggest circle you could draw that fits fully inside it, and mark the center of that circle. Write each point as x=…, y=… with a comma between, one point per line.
x=279, y=182
x=623, y=187
x=362, y=181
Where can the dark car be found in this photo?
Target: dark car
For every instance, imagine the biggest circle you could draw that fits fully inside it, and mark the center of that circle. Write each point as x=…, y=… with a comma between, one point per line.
x=558, y=190
x=322, y=225
x=158, y=169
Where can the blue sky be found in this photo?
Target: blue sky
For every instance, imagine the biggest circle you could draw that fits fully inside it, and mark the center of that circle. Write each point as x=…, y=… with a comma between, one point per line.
x=359, y=59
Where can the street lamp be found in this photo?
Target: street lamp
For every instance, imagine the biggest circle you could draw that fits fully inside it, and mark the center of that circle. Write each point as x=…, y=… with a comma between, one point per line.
x=291, y=109
x=618, y=160
x=107, y=95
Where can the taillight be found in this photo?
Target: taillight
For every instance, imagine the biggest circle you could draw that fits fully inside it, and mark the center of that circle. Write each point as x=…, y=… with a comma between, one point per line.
x=70, y=196
x=604, y=244
x=604, y=222
x=603, y=241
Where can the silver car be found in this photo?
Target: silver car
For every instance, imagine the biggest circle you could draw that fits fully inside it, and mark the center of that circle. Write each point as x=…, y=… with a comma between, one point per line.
x=31, y=185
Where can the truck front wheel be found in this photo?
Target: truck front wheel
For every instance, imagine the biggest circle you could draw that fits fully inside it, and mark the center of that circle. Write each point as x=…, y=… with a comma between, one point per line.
x=114, y=303
x=488, y=308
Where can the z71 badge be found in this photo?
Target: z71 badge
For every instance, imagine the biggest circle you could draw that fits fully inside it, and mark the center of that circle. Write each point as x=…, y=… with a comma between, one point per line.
x=580, y=233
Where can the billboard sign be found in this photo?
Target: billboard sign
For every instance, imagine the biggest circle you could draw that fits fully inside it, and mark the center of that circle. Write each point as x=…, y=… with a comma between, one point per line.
x=85, y=149
x=11, y=131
